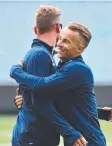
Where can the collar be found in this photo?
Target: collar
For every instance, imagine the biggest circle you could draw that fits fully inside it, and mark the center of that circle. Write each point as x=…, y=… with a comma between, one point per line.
x=76, y=58
x=73, y=59
x=37, y=41
x=61, y=63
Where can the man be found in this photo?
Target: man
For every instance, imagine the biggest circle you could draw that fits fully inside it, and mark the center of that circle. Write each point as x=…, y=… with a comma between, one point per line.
x=38, y=122
x=72, y=86
x=104, y=113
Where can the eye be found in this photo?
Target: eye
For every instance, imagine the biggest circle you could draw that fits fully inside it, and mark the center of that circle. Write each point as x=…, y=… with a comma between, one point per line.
x=59, y=38
x=66, y=41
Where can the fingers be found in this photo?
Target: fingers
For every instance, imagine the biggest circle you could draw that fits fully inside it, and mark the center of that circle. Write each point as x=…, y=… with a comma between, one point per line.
x=18, y=101
x=107, y=108
x=21, y=62
x=18, y=97
x=19, y=107
x=81, y=142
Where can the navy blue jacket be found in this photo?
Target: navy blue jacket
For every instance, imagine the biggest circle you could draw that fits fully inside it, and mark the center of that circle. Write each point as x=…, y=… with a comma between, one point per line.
x=35, y=123
x=72, y=88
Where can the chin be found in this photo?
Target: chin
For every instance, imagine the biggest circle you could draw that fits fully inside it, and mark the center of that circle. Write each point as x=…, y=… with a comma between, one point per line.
x=62, y=58
x=59, y=56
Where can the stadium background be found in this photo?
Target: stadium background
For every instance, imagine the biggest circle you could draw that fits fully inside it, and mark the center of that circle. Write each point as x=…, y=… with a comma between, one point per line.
x=16, y=34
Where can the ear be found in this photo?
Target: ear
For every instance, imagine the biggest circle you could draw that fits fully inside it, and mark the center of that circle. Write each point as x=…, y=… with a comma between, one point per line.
x=35, y=30
x=80, y=49
x=58, y=28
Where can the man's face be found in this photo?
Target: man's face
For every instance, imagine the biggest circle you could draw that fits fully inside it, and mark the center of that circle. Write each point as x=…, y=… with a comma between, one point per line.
x=67, y=44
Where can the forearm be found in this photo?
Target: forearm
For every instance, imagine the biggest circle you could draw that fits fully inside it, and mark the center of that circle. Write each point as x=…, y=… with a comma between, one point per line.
x=103, y=114
x=21, y=77
x=58, y=82
x=55, y=83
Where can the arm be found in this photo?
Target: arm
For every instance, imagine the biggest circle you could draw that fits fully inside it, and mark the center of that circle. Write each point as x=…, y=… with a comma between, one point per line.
x=105, y=113
x=62, y=80
x=49, y=113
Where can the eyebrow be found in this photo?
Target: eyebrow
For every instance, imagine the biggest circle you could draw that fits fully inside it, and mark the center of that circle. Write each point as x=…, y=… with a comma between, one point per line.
x=68, y=40
x=64, y=38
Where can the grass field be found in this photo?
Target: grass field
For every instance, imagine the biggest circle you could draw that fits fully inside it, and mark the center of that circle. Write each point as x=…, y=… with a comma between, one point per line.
x=7, y=123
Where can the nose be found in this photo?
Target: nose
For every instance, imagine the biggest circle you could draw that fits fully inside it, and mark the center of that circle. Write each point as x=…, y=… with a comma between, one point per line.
x=59, y=43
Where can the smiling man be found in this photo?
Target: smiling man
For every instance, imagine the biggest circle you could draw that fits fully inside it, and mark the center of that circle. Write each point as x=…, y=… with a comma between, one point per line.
x=72, y=86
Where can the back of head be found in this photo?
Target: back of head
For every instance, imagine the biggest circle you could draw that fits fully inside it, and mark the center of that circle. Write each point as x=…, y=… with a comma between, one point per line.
x=85, y=35
x=46, y=17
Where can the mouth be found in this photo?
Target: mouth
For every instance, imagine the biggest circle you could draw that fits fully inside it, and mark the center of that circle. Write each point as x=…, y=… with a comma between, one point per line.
x=60, y=50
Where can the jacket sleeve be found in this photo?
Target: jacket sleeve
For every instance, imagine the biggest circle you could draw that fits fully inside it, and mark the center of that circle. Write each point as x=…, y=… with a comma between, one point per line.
x=103, y=114
x=62, y=80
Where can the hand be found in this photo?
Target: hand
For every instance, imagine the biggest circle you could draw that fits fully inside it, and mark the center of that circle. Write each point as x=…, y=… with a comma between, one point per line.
x=18, y=101
x=80, y=142
x=21, y=63
x=109, y=109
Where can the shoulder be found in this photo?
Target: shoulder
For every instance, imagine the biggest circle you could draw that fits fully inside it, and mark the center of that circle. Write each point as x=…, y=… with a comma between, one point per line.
x=78, y=67
x=40, y=50
x=38, y=53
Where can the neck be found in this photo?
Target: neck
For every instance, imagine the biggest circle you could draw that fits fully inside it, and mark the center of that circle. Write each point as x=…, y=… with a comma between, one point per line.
x=67, y=59
x=49, y=38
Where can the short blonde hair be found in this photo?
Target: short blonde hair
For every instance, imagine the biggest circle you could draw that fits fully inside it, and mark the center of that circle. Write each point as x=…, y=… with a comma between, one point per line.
x=46, y=17
x=83, y=32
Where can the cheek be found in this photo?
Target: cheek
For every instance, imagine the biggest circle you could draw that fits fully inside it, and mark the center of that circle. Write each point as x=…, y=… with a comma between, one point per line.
x=62, y=53
x=69, y=50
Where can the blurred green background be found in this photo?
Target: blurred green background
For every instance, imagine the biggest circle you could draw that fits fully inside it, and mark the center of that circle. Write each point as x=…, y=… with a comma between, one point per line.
x=7, y=123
